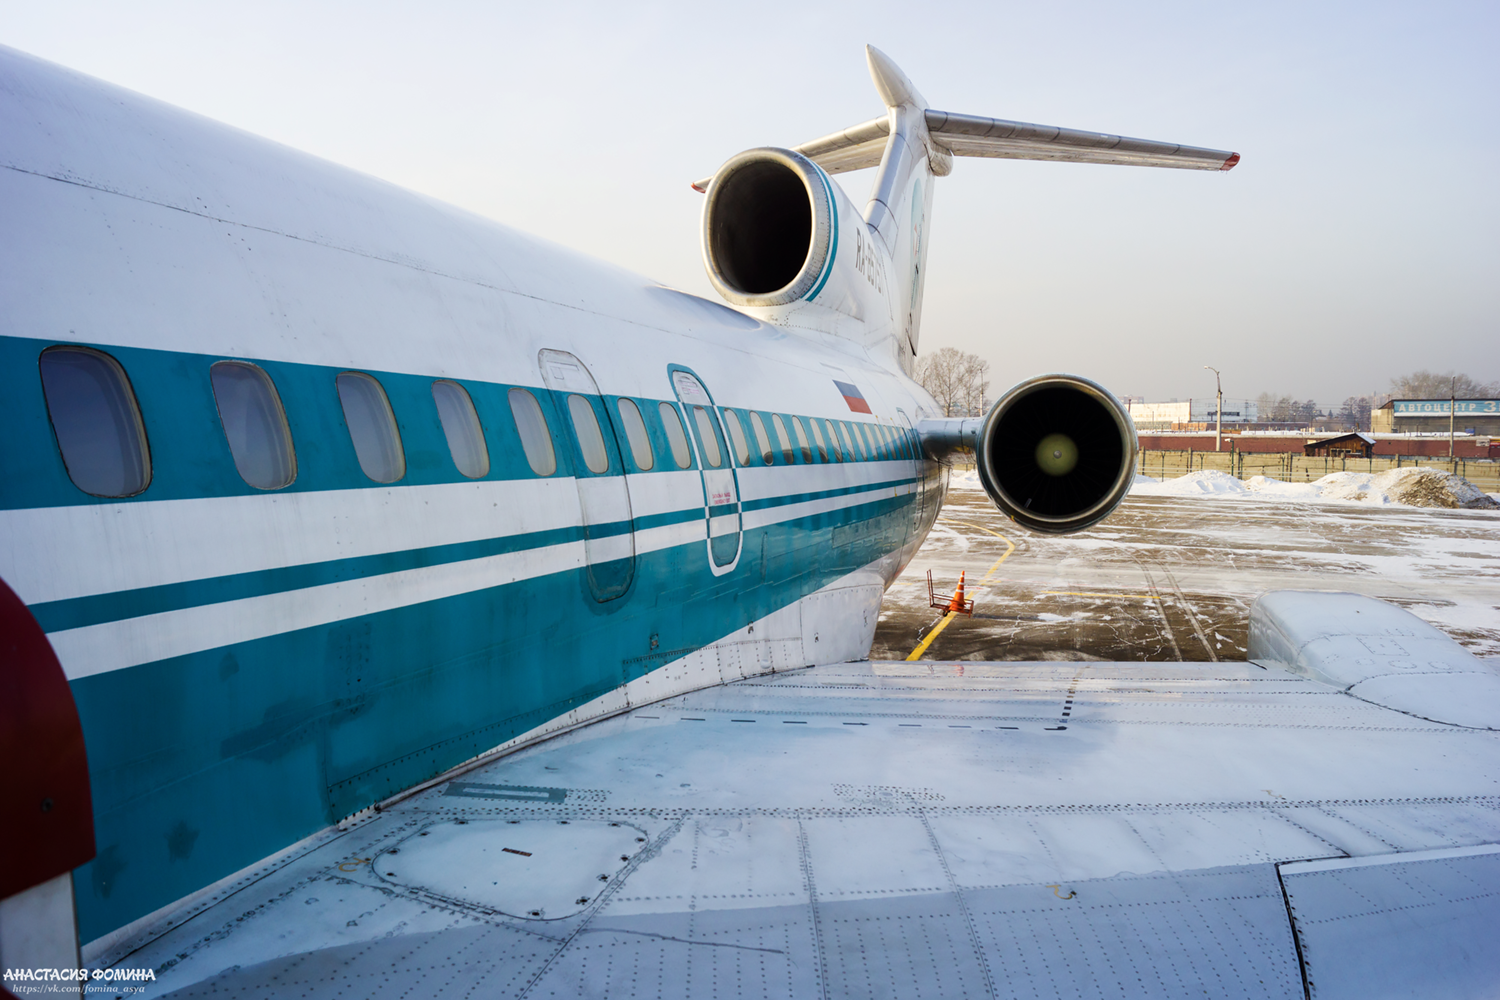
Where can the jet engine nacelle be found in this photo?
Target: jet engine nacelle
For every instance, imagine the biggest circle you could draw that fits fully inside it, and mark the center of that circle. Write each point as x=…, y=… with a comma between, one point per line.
x=1057, y=453
x=780, y=238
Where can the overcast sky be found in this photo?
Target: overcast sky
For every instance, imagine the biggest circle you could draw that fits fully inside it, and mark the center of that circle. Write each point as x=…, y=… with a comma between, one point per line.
x=1359, y=238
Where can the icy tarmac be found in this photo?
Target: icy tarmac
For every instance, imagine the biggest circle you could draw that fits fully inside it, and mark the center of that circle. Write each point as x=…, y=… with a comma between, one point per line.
x=1172, y=573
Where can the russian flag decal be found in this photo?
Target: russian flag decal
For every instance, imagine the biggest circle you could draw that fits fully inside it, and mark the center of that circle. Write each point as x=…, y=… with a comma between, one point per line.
x=853, y=396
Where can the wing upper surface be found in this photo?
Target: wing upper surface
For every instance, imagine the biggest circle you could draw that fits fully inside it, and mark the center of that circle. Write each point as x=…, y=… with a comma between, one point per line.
x=800, y=832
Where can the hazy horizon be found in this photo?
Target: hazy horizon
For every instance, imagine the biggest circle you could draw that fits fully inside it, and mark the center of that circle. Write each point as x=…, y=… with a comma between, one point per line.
x=1353, y=244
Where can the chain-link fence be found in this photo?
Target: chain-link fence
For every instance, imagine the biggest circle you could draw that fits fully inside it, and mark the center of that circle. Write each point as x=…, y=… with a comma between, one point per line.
x=1294, y=468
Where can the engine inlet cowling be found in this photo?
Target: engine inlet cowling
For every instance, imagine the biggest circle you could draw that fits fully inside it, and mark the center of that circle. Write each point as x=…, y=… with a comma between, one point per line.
x=1057, y=453
x=767, y=227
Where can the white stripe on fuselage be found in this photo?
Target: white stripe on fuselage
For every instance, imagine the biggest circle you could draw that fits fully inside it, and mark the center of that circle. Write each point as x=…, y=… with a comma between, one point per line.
x=59, y=553
x=115, y=645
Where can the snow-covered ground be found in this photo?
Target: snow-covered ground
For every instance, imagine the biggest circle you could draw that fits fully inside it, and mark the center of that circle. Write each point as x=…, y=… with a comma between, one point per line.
x=1406, y=487
x=1172, y=573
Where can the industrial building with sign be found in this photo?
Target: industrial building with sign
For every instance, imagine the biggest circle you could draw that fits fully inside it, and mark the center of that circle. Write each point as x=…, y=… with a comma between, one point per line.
x=1431, y=416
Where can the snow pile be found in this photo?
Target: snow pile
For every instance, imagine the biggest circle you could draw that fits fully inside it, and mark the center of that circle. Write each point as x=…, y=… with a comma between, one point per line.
x=1408, y=487
x=965, y=480
x=1430, y=488
x=1209, y=482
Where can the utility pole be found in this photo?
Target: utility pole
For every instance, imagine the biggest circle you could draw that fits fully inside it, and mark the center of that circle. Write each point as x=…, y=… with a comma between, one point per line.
x=1219, y=412
x=1452, y=405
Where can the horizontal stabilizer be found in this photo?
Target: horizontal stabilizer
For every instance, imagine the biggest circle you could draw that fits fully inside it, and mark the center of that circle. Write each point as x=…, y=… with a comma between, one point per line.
x=971, y=135
x=861, y=146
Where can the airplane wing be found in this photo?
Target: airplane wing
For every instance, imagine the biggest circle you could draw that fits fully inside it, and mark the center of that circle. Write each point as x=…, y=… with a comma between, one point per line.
x=926, y=829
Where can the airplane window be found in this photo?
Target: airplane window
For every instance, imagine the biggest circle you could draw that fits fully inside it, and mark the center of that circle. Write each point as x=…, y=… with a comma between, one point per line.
x=461, y=427
x=737, y=437
x=833, y=441
x=254, y=424
x=802, y=440
x=817, y=433
x=707, y=437
x=758, y=427
x=635, y=433
x=864, y=437
x=96, y=420
x=532, y=427
x=590, y=438
x=779, y=425
x=848, y=445
x=372, y=427
x=676, y=435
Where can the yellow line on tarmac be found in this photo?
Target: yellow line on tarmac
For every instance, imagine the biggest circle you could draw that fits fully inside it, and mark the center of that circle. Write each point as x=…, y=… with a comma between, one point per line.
x=916, y=654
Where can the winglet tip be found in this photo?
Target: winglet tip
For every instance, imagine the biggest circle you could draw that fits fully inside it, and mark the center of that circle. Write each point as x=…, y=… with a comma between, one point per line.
x=702, y=186
x=1230, y=163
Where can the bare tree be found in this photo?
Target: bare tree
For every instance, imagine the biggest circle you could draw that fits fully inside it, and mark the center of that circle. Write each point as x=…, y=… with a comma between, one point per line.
x=1430, y=385
x=1285, y=409
x=957, y=380
x=1356, y=413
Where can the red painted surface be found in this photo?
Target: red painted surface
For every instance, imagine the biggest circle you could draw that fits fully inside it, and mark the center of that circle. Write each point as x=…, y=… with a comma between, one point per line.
x=46, y=813
x=857, y=404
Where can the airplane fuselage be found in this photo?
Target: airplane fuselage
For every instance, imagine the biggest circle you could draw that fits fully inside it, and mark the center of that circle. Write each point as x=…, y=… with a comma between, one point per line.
x=253, y=664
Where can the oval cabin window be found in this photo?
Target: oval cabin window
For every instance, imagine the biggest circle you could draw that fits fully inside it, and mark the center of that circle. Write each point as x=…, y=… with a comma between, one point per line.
x=372, y=427
x=590, y=438
x=635, y=433
x=676, y=435
x=471, y=456
x=96, y=420
x=531, y=426
x=737, y=437
x=758, y=427
x=802, y=440
x=787, y=455
x=254, y=424
x=817, y=433
x=707, y=438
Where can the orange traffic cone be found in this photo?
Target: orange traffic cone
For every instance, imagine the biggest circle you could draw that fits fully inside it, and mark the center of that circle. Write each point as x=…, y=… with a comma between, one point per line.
x=957, y=604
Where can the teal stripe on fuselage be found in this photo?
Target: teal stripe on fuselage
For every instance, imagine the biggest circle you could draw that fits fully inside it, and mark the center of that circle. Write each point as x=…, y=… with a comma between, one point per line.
x=189, y=456
x=55, y=616
x=791, y=498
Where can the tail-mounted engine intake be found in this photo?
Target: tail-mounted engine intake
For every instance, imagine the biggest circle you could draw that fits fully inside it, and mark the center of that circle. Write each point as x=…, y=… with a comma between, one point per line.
x=768, y=225
x=1057, y=453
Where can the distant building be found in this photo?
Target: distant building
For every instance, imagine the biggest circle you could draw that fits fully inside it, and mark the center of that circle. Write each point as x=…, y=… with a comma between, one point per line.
x=1354, y=445
x=1417, y=416
x=1178, y=413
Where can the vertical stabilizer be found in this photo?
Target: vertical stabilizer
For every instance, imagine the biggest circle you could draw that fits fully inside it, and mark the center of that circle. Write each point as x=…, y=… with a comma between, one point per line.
x=901, y=201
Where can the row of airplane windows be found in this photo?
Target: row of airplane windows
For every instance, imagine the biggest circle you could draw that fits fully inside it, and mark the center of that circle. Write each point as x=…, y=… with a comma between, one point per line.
x=102, y=437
